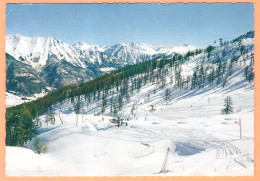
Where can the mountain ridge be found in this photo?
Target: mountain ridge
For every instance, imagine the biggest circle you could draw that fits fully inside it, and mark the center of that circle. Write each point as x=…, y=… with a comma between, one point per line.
x=25, y=48
x=58, y=63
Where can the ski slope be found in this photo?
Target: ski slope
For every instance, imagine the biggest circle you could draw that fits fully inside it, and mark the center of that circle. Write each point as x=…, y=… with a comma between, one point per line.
x=201, y=141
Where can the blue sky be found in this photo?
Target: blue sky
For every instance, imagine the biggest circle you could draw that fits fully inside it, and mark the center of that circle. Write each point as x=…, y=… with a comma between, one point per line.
x=106, y=24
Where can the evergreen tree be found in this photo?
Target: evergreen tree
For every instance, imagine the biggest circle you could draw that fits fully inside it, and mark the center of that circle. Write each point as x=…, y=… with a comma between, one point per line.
x=132, y=109
x=228, y=109
x=201, y=76
x=249, y=73
x=242, y=49
x=223, y=53
x=219, y=72
x=246, y=72
x=224, y=81
x=77, y=108
x=115, y=109
x=39, y=146
x=19, y=134
x=37, y=120
x=104, y=103
x=221, y=42
x=211, y=76
x=167, y=94
x=194, y=80
x=50, y=117
x=120, y=102
x=111, y=106
x=209, y=49
x=230, y=69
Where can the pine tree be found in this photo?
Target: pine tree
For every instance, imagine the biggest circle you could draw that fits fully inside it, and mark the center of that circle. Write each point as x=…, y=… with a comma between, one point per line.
x=111, y=105
x=104, y=103
x=194, y=80
x=201, y=76
x=249, y=73
x=228, y=109
x=230, y=69
x=223, y=53
x=37, y=120
x=50, y=117
x=209, y=49
x=242, y=49
x=39, y=146
x=120, y=102
x=246, y=72
x=77, y=108
x=20, y=134
x=219, y=72
x=167, y=94
x=221, y=42
x=224, y=81
x=132, y=109
x=115, y=109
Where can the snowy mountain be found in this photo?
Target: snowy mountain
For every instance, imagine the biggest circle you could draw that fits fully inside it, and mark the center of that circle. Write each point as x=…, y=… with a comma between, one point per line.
x=181, y=49
x=173, y=108
x=89, y=47
x=57, y=63
x=36, y=51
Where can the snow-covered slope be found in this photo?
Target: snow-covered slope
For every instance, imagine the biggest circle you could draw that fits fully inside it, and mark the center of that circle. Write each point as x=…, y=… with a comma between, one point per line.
x=186, y=135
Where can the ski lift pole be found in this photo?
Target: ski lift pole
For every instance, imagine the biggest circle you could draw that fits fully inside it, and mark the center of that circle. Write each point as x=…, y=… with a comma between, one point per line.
x=163, y=170
x=240, y=128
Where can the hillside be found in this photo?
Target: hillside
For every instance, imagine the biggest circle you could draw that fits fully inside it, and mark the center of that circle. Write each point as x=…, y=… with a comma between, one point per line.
x=172, y=107
x=22, y=77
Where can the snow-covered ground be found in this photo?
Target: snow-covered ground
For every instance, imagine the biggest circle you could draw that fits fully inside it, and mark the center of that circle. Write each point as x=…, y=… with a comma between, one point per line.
x=201, y=141
x=13, y=100
x=185, y=136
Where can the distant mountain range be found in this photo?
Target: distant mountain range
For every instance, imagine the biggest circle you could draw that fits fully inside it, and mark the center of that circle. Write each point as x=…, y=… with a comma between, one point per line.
x=39, y=64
